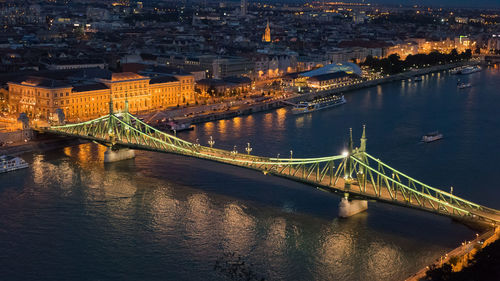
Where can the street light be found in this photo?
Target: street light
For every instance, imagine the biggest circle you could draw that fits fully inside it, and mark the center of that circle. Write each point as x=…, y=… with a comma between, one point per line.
x=234, y=152
x=248, y=148
x=291, y=154
x=211, y=142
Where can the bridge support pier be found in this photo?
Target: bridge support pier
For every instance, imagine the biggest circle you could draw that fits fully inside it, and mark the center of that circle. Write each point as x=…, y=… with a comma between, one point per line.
x=348, y=208
x=115, y=155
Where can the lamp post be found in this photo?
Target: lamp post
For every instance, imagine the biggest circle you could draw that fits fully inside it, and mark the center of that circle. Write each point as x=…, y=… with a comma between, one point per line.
x=291, y=154
x=211, y=142
x=248, y=148
x=234, y=152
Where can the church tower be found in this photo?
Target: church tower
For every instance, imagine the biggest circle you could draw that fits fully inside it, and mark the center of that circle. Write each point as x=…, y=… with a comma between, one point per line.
x=243, y=8
x=266, y=37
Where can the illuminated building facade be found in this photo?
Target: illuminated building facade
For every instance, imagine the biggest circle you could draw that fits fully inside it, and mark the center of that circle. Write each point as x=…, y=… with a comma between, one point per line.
x=84, y=97
x=266, y=37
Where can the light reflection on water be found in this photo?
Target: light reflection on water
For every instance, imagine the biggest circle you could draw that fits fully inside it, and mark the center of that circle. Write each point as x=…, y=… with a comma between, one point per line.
x=174, y=216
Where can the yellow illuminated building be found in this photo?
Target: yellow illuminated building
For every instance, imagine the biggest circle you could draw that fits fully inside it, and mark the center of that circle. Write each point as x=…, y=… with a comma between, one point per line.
x=266, y=37
x=85, y=99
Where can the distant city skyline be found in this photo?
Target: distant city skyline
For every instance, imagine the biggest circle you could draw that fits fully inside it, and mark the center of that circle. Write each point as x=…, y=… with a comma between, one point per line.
x=444, y=3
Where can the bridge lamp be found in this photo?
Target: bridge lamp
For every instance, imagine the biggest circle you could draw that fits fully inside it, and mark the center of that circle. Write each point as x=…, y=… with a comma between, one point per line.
x=248, y=148
x=291, y=154
x=211, y=142
x=234, y=150
x=345, y=153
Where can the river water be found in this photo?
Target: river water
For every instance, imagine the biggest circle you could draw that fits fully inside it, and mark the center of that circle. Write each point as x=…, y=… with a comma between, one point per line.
x=165, y=217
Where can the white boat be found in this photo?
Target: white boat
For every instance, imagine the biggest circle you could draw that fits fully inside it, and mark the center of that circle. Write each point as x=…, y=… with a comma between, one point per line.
x=470, y=69
x=464, y=85
x=322, y=103
x=434, y=136
x=174, y=126
x=11, y=163
x=457, y=70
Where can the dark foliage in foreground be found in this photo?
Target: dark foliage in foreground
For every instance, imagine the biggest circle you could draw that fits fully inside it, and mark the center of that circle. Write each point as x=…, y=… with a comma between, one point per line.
x=484, y=267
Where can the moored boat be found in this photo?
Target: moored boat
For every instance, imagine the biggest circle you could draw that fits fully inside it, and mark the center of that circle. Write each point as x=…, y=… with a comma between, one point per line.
x=322, y=103
x=470, y=69
x=175, y=126
x=11, y=163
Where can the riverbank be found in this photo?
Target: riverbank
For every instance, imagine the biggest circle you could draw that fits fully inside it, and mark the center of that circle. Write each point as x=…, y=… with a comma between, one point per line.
x=248, y=109
x=460, y=256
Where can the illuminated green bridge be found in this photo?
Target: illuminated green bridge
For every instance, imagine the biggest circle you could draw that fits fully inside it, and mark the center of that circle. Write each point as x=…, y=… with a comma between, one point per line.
x=356, y=174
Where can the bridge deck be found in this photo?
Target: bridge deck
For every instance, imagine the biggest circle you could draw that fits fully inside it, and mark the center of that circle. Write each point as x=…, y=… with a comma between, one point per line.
x=381, y=183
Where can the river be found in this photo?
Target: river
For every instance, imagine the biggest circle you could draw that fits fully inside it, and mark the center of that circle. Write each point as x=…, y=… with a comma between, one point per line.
x=166, y=217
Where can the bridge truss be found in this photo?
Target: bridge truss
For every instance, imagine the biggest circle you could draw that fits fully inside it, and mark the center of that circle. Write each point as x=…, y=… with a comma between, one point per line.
x=356, y=173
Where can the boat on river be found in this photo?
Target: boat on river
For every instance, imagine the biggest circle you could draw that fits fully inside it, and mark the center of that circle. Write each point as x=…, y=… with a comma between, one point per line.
x=470, y=70
x=464, y=85
x=11, y=163
x=322, y=103
x=430, y=137
x=178, y=127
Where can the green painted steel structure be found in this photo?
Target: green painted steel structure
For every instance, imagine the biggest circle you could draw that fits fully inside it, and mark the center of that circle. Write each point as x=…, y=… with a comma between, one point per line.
x=356, y=173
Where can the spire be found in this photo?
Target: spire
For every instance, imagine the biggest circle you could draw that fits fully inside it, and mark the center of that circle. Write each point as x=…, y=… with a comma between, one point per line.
x=348, y=163
x=126, y=117
x=362, y=146
x=266, y=37
x=350, y=142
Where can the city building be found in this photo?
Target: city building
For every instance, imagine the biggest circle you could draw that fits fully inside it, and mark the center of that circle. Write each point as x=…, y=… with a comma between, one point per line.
x=229, y=86
x=243, y=8
x=86, y=94
x=270, y=66
x=72, y=63
x=329, y=79
x=266, y=37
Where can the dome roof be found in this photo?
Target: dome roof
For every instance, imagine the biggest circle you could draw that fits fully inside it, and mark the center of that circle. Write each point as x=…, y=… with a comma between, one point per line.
x=347, y=67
